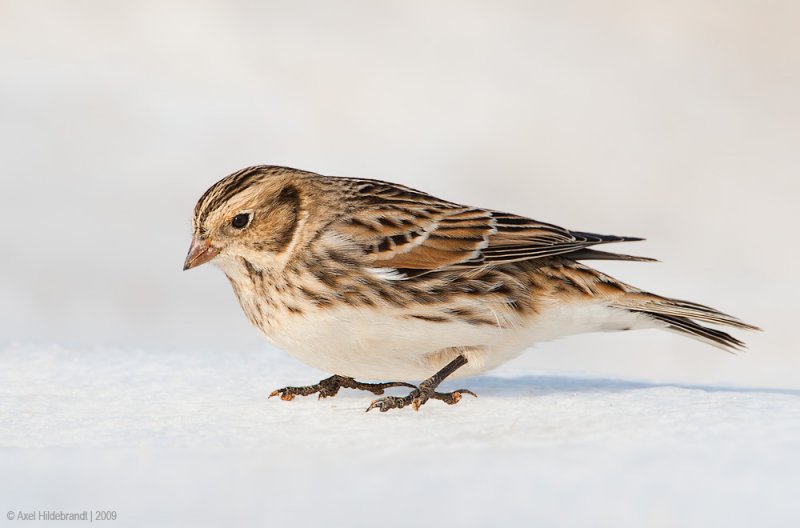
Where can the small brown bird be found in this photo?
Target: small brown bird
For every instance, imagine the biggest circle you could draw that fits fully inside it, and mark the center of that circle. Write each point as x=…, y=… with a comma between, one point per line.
x=370, y=279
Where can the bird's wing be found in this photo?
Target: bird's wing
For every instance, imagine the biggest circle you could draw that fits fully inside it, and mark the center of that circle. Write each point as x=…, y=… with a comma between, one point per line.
x=401, y=228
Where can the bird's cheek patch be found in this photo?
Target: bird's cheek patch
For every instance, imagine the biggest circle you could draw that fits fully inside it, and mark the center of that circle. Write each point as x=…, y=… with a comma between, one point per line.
x=285, y=230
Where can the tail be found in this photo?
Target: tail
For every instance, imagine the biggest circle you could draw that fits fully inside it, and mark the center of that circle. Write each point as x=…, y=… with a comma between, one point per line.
x=684, y=317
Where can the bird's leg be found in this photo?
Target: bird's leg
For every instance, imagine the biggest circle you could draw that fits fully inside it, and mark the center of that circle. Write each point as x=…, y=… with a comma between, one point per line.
x=329, y=387
x=426, y=391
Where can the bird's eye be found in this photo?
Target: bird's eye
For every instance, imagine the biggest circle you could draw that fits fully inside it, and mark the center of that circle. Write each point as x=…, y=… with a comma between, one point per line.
x=240, y=221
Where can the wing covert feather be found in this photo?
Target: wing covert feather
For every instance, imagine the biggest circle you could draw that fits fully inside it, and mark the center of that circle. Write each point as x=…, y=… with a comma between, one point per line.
x=402, y=228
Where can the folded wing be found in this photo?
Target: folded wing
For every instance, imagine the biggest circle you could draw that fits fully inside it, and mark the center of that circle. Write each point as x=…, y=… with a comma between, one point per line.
x=402, y=228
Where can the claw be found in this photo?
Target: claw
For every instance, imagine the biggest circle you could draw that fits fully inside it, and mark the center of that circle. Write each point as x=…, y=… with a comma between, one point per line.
x=419, y=401
x=456, y=396
x=284, y=394
x=386, y=403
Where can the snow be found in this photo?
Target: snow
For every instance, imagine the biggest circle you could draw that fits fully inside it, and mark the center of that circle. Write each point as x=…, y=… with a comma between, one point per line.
x=169, y=437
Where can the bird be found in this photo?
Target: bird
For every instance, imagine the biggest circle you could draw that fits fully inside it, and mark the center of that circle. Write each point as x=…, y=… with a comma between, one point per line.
x=374, y=280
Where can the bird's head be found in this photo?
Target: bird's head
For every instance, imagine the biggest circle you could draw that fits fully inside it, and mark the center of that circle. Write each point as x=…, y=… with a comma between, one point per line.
x=252, y=213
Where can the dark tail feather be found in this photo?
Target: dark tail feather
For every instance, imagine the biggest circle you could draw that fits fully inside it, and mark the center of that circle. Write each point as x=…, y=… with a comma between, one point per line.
x=683, y=316
x=714, y=337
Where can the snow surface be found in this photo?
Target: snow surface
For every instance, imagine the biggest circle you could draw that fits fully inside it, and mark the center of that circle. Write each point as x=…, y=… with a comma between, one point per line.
x=173, y=438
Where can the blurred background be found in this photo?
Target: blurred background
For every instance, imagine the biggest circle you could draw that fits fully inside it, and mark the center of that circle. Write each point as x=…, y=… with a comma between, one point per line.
x=675, y=121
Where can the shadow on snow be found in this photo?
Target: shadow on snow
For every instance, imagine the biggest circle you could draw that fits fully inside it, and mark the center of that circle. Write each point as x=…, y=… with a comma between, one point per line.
x=544, y=384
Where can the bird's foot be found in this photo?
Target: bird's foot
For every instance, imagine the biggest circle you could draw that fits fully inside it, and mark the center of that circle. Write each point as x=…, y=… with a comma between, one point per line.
x=329, y=387
x=417, y=398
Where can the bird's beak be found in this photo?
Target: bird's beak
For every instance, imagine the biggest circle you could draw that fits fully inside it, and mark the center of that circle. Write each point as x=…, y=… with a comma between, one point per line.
x=200, y=252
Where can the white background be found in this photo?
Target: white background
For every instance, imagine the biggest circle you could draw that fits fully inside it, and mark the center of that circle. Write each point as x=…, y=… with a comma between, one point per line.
x=675, y=121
